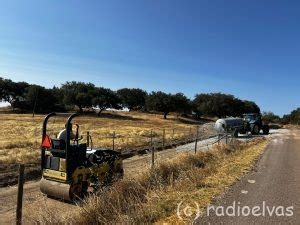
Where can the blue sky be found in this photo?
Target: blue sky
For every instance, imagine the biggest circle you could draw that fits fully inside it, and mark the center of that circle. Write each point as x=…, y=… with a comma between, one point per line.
x=247, y=48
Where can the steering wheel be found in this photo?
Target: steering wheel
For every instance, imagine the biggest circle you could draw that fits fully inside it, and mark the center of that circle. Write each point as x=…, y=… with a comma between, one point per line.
x=78, y=139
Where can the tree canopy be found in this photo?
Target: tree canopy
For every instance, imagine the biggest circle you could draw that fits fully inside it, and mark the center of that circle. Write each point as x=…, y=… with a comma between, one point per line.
x=181, y=103
x=12, y=91
x=270, y=117
x=86, y=95
x=166, y=103
x=132, y=98
x=222, y=105
x=79, y=94
x=105, y=98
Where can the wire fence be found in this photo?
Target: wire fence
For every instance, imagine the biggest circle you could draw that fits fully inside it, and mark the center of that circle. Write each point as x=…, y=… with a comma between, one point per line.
x=199, y=143
x=152, y=141
x=144, y=140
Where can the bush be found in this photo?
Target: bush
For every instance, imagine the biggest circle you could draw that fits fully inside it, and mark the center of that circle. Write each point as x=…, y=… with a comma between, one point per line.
x=293, y=117
x=270, y=117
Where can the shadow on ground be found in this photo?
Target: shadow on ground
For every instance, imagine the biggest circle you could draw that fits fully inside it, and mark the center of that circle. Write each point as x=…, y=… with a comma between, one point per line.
x=115, y=116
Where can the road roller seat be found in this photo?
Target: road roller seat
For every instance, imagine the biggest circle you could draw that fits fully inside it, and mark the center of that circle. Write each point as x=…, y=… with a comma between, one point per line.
x=62, y=135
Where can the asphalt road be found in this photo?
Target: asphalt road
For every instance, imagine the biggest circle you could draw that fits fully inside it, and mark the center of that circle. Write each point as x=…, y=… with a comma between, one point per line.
x=271, y=191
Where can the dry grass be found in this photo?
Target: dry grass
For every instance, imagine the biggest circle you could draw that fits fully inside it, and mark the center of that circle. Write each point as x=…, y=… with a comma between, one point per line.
x=154, y=195
x=20, y=134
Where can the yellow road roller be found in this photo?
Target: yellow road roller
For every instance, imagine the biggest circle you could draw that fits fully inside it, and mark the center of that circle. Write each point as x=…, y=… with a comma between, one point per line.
x=70, y=169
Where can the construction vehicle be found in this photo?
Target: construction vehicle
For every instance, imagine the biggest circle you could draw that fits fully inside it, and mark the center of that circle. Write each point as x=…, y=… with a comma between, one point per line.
x=70, y=169
x=250, y=122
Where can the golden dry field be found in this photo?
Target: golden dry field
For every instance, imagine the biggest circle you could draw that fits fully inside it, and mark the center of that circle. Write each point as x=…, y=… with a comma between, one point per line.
x=20, y=134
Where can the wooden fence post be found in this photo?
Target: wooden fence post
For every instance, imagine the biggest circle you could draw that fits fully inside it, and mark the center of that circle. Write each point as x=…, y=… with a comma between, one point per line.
x=151, y=140
x=163, y=138
x=152, y=149
x=20, y=194
x=172, y=179
x=196, y=141
x=113, y=140
x=152, y=157
x=88, y=139
x=232, y=137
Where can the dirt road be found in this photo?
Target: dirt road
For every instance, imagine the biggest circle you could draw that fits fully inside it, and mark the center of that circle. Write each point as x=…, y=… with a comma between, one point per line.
x=273, y=186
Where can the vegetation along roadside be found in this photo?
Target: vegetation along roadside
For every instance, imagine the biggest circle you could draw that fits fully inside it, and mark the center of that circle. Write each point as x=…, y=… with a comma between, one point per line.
x=154, y=195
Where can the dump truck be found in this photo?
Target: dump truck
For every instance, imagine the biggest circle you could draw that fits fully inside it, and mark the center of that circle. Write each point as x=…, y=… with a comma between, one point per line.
x=250, y=122
x=70, y=169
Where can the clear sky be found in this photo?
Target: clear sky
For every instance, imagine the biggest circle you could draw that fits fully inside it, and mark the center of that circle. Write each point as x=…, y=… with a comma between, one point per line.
x=247, y=48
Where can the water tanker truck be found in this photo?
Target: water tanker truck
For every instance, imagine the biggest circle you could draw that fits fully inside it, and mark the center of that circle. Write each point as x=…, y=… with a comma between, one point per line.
x=250, y=122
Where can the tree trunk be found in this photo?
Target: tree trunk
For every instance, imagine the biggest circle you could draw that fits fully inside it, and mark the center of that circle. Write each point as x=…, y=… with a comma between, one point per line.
x=165, y=115
x=80, y=109
x=99, y=112
x=11, y=105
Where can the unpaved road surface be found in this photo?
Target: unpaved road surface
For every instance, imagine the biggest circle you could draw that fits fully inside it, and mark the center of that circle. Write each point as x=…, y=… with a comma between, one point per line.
x=273, y=186
x=35, y=201
x=206, y=144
